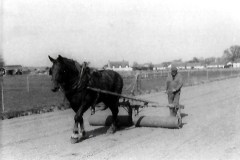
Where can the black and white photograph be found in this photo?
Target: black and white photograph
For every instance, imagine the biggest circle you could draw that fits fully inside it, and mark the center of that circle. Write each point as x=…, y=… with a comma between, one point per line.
x=119, y=80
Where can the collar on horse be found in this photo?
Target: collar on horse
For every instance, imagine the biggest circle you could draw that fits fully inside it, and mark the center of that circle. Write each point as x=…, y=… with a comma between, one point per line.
x=81, y=69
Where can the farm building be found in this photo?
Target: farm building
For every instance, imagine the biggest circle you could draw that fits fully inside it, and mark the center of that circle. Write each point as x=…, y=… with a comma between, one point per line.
x=236, y=63
x=119, y=66
x=195, y=66
x=215, y=65
x=179, y=65
x=144, y=67
x=13, y=69
x=147, y=66
x=228, y=65
x=159, y=67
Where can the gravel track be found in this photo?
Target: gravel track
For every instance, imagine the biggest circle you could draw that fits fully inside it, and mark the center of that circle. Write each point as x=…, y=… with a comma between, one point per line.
x=210, y=131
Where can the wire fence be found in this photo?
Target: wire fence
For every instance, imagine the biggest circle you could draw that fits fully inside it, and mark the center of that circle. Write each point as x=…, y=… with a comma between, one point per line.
x=25, y=92
x=148, y=82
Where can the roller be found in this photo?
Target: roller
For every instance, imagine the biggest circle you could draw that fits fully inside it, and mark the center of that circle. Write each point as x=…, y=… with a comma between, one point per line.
x=106, y=120
x=157, y=121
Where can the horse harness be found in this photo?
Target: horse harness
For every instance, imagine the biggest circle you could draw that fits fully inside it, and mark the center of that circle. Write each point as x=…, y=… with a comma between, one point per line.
x=78, y=84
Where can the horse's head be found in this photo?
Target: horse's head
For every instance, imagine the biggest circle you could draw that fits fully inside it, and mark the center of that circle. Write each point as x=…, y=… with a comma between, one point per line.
x=61, y=71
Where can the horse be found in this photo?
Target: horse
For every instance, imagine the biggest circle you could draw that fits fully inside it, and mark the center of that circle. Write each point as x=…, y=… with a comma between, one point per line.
x=74, y=79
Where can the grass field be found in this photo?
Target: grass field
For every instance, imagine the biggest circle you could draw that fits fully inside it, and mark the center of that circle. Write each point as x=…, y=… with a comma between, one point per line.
x=20, y=94
x=34, y=91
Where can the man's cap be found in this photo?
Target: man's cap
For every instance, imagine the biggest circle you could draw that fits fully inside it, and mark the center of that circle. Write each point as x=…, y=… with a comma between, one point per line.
x=173, y=68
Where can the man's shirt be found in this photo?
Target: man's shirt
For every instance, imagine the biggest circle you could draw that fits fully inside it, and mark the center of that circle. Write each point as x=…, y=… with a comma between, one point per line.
x=174, y=83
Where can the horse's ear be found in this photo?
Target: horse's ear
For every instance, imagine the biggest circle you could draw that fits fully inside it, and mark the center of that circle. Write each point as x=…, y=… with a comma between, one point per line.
x=51, y=59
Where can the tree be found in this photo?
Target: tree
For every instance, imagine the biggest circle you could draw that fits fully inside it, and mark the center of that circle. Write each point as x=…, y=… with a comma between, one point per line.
x=135, y=64
x=166, y=64
x=231, y=54
x=177, y=60
x=194, y=60
x=210, y=60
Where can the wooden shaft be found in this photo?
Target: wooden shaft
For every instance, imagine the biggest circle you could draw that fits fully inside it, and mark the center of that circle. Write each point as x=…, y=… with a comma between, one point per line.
x=121, y=95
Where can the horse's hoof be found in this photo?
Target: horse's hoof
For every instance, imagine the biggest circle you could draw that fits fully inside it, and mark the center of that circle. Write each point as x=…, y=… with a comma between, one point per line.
x=92, y=112
x=111, y=130
x=74, y=140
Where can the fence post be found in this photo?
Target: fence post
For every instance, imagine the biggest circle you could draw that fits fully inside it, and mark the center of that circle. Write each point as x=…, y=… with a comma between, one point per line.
x=27, y=84
x=207, y=74
x=188, y=77
x=2, y=97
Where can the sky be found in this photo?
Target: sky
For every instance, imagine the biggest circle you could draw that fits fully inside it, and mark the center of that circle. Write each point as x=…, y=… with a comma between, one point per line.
x=101, y=30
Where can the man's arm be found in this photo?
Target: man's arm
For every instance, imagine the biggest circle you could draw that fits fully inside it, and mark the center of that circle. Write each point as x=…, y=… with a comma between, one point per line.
x=167, y=83
x=180, y=83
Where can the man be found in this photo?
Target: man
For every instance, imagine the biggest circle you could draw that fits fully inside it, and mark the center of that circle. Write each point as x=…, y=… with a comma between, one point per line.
x=2, y=71
x=173, y=86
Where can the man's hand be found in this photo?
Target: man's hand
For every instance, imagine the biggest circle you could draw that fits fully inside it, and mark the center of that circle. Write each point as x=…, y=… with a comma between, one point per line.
x=170, y=91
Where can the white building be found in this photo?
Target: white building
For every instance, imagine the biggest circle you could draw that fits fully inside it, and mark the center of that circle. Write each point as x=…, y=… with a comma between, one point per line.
x=179, y=65
x=236, y=64
x=159, y=67
x=215, y=65
x=195, y=66
x=119, y=66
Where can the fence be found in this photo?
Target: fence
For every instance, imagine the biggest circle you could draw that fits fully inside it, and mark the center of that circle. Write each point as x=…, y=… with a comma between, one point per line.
x=34, y=91
x=155, y=81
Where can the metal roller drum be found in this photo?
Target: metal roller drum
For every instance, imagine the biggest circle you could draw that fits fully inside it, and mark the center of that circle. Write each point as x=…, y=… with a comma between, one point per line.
x=106, y=120
x=157, y=121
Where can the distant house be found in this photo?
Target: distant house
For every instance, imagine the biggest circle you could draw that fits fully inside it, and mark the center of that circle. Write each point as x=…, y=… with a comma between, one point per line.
x=119, y=66
x=228, y=65
x=143, y=67
x=159, y=67
x=195, y=66
x=215, y=65
x=147, y=66
x=40, y=70
x=179, y=65
x=13, y=69
x=236, y=63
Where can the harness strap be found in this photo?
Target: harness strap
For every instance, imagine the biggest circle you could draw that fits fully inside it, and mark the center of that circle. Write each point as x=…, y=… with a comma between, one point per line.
x=80, y=69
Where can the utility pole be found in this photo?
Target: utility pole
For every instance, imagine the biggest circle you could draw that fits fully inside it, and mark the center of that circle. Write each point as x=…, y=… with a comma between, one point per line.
x=1, y=27
x=1, y=52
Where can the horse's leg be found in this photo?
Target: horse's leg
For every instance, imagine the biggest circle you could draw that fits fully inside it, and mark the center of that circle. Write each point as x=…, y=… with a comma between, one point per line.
x=114, y=108
x=94, y=104
x=78, y=118
x=75, y=134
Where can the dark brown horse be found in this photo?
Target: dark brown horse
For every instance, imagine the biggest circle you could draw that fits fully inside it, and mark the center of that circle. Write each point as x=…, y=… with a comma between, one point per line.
x=74, y=79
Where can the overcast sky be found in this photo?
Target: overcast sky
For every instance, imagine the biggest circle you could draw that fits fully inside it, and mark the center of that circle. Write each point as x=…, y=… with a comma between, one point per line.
x=133, y=30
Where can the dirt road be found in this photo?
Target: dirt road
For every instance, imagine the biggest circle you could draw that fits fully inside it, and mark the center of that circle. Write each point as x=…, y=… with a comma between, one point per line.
x=211, y=131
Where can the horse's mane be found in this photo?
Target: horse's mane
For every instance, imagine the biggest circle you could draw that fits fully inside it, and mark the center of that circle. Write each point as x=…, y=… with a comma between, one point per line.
x=76, y=67
x=71, y=64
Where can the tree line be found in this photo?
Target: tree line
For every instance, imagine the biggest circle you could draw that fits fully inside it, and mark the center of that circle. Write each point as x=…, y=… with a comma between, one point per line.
x=231, y=54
